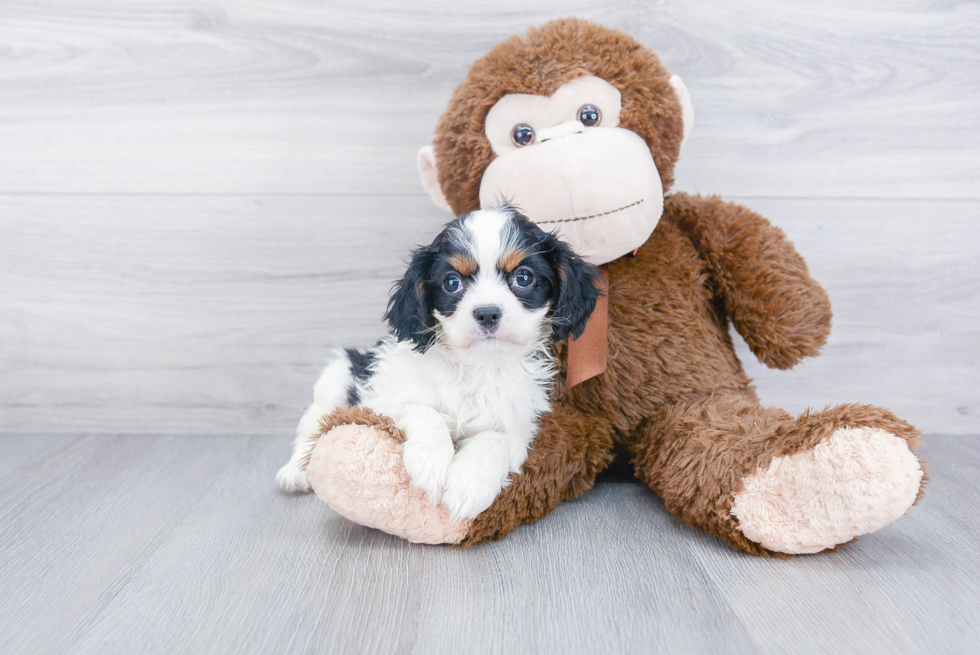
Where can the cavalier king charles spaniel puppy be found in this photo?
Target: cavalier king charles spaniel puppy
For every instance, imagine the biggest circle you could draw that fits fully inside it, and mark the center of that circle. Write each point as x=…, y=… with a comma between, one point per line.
x=468, y=367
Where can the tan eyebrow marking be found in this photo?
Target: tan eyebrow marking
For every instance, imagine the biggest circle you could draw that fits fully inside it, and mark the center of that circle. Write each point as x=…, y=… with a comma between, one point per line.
x=511, y=260
x=464, y=264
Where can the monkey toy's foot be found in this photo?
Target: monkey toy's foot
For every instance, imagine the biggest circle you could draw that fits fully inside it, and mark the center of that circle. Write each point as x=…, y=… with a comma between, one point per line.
x=356, y=469
x=859, y=479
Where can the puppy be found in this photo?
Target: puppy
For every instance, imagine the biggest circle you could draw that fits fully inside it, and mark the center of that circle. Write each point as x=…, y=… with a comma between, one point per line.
x=468, y=368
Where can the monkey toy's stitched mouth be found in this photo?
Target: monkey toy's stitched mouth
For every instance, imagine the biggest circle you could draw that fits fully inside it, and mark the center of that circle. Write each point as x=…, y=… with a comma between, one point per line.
x=585, y=218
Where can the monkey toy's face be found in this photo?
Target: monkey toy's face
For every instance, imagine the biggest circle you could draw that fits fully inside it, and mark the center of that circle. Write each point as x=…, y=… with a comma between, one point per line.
x=565, y=161
x=577, y=153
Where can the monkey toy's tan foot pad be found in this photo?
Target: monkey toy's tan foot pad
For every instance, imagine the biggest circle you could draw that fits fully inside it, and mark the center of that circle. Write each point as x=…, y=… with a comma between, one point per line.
x=356, y=469
x=853, y=483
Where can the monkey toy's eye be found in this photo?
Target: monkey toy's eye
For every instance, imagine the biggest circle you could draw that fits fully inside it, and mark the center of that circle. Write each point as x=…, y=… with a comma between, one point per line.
x=452, y=284
x=523, y=279
x=523, y=135
x=589, y=115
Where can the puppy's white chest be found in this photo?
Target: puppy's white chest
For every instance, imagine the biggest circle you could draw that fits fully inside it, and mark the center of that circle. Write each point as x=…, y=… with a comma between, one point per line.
x=489, y=399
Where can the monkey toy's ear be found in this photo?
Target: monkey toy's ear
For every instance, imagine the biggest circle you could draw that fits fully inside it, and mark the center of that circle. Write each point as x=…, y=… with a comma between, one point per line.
x=579, y=285
x=430, y=178
x=687, y=108
x=409, y=314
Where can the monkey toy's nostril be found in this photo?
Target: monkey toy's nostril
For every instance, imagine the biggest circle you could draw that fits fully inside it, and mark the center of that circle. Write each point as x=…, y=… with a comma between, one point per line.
x=487, y=316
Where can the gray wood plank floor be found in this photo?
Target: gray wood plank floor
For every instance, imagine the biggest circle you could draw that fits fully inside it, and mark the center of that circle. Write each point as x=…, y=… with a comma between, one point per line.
x=198, y=200
x=164, y=544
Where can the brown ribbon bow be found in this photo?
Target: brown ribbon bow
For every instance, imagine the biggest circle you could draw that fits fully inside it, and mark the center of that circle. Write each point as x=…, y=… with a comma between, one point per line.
x=587, y=354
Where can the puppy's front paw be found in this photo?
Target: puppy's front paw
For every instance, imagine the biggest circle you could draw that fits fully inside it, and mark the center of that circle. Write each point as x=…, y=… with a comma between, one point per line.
x=427, y=463
x=470, y=488
x=293, y=479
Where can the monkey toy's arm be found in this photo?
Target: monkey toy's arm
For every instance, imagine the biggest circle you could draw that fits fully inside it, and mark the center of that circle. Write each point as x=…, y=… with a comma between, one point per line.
x=780, y=311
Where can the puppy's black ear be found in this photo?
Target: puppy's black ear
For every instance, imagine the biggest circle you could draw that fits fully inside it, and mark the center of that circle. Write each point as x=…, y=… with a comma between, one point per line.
x=578, y=287
x=409, y=312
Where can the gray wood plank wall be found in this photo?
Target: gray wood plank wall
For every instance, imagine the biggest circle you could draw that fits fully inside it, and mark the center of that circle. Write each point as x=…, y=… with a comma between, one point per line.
x=198, y=200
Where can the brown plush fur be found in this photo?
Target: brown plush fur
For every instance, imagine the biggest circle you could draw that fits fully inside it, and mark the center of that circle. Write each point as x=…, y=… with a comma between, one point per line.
x=670, y=355
x=563, y=463
x=674, y=399
x=695, y=454
x=674, y=396
x=539, y=62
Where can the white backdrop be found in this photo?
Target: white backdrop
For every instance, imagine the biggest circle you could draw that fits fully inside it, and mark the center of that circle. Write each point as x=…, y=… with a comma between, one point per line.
x=198, y=200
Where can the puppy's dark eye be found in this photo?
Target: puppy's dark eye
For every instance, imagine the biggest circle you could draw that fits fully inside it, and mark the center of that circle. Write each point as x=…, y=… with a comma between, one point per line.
x=523, y=135
x=589, y=115
x=452, y=284
x=523, y=279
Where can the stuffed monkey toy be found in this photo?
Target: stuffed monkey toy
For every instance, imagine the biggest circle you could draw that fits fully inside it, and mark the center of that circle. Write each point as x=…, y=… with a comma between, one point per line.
x=580, y=126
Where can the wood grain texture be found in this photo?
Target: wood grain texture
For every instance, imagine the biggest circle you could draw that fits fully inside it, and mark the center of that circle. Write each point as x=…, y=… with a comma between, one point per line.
x=176, y=313
x=164, y=544
x=836, y=99
x=198, y=200
x=80, y=518
x=904, y=284
x=214, y=314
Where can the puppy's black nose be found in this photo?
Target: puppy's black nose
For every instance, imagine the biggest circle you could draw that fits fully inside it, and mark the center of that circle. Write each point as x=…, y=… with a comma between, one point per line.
x=487, y=316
